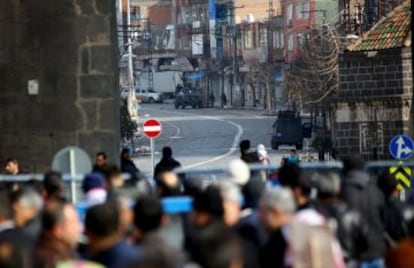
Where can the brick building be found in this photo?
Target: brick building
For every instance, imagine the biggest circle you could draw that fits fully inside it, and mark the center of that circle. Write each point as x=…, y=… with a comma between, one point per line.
x=375, y=98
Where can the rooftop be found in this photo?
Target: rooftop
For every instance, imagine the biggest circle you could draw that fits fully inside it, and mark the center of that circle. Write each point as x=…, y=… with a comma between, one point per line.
x=393, y=31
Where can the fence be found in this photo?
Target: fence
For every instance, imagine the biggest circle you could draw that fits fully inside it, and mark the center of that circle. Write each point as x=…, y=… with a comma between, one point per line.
x=183, y=204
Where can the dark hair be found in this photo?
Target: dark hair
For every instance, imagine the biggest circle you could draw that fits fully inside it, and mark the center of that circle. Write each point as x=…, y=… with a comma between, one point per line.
x=387, y=183
x=293, y=151
x=166, y=152
x=53, y=184
x=292, y=176
x=36, y=185
x=148, y=213
x=12, y=159
x=110, y=171
x=354, y=162
x=102, y=220
x=217, y=247
x=102, y=154
x=209, y=201
x=244, y=145
x=53, y=213
x=5, y=204
x=289, y=175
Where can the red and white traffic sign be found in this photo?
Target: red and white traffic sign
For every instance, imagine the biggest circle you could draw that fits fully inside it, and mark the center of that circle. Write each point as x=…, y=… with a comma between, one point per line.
x=152, y=128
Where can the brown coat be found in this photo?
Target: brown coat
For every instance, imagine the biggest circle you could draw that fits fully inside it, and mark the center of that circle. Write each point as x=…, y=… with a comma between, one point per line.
x=402, y=255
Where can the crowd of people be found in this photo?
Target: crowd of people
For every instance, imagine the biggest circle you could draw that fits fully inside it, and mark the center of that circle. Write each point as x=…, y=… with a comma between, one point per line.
x=312, y=219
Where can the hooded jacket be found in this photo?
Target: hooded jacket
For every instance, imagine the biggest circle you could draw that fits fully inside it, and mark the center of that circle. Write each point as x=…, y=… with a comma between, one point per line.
x=363, y=195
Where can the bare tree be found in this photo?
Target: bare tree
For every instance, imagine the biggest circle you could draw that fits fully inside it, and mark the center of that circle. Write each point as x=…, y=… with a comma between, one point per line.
x=314, y=76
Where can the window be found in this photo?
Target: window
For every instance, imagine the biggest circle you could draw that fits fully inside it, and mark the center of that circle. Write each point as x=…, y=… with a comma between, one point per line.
x=278, y=39
x=289, y=14
x=302, y=10
x=290, y=42
x=263, y=37
x=301, y=40
x=248, y=39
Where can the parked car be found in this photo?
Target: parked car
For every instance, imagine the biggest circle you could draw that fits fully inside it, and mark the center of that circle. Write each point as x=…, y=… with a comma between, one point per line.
x=148, y=95
x=145, y=95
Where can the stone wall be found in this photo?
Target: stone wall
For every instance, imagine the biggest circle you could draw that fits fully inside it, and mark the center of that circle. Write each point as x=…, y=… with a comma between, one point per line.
x=69, y=47
x=374, y=101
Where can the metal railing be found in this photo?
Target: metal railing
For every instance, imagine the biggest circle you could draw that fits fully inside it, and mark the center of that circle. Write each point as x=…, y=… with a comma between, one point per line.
x=183, y=204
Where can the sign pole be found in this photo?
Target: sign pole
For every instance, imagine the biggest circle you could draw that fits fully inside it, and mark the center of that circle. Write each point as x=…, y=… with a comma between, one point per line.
x=72, y=175
x=152, y=157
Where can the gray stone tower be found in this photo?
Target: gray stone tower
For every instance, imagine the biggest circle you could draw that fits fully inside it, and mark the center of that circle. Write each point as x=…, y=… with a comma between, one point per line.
x=68, y=48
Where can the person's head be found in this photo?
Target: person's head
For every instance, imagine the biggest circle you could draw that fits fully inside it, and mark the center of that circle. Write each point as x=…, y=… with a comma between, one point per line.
x=53, y=185
x=238, y=171
x=27, y=204
x=291, y=176
x=166, y=152
x=328, y=185
x=100, y=159
x=353, y=163
x=207, y=206
x=388, y=184
x=125, y=154
x=11, y=166
x=168, y=184
x=36, y=185
x=244, y=146
x=292, y=152
x=276, y=208
x=6, y=211
x=102, y=222
x=60, y=220
x=113, y=176
x=232, y=197
x=93, y=181
x=219, y=247
x=148, y=214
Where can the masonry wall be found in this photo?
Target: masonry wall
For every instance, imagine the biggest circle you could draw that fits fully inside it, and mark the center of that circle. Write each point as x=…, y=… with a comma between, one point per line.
x=69, y=47
x=374, y=101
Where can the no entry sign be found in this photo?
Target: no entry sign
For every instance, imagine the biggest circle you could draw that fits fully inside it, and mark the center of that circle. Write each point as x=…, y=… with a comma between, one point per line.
x=152, y=128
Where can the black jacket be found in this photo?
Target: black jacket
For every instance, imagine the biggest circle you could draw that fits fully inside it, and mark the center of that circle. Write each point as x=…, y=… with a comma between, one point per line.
x=166, y=164
x=272, y=254
x=395, y=226
x=361, y=194
x=352, y=231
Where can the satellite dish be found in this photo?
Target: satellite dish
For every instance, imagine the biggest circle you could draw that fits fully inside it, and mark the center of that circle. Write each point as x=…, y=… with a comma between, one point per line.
x=72, y=160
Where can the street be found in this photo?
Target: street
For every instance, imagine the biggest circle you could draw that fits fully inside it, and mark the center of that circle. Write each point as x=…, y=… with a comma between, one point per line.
x=208, y=137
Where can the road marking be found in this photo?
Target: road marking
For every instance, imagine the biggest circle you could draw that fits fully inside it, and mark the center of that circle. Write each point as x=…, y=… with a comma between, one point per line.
x=152, y=129
x=236, y=139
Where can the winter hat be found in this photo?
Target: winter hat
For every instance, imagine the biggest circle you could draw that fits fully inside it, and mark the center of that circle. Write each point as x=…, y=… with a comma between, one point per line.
x=93, y=181
x=238, y=171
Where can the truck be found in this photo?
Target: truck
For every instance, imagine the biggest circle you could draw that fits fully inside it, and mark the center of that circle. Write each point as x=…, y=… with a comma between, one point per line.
x=189, y=97
x=288, y=129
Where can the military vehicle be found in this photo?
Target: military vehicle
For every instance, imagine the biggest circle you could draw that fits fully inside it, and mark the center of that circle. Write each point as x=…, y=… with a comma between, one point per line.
x=288, y=129
x=189, y=97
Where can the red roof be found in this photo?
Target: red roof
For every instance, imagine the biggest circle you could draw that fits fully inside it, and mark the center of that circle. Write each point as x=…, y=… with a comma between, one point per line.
x=390, y=32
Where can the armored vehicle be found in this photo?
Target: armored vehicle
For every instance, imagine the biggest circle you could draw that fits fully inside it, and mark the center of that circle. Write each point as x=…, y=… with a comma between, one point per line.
x=189, y=97
x=289, y=130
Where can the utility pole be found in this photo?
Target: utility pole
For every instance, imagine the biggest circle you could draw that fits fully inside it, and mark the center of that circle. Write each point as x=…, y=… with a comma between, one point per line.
x=236, y=88
x=132, y=101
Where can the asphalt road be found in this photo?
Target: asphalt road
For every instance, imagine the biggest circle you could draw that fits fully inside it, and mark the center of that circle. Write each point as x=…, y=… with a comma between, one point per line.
x=206, y=138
